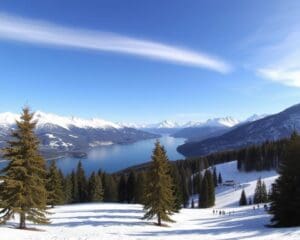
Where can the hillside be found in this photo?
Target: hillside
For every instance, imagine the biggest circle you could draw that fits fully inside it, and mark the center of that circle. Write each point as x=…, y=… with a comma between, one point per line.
x=123, y=221
x=272, y=127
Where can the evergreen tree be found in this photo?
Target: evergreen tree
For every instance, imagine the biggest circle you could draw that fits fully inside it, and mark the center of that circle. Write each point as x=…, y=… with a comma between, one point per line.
x=285, y=206
x=243, y=199
x=75, y=195
x=81, y=183
x=67, y=187
x=220, y=180
x=131, y=181
x=211, y=188
x=215, y=178
x=184, y=188
x=203, y=196
x=177, y=189
x=54, y=186
x=159, y=198
x=260, y=195
x=95, y=188
x=23, y=189
x=122, y=189
x=110, y=188
x=140, y=187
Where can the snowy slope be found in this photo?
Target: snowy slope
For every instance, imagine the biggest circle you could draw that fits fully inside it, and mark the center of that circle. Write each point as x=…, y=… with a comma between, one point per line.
x=123, y=221
x=227, y=196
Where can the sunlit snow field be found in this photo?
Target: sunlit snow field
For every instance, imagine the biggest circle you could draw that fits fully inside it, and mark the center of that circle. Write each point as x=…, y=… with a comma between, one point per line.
x=123, y=221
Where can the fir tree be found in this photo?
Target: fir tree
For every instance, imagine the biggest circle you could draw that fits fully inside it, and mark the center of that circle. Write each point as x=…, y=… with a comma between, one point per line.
x=285, y=206
x=260, y=195
x=211, y=188
x=95, y=188
x=110, y=188
x=207, y=194
x=75, y=195
x=159, y=198
x=122, y=189
x=243, y=199
x=23, y=189
x=177, y=189
x=131, y=181
x=140, y=187
x=81, y=183
x=215, y=178
x=220, y=180
x=203, y=196
x=67, y=187
x=54, y=186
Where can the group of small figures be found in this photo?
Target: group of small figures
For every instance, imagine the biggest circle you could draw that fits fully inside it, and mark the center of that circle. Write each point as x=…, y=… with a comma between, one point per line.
x=222, y=212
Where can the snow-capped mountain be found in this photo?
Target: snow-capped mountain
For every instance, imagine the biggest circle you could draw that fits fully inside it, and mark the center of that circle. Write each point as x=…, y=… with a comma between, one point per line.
x=255, y=117
x=73, y=134
x=272, y=127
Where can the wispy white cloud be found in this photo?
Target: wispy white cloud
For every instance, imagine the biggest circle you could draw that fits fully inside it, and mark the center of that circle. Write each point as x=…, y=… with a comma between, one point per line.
x=37, y=32
x=287, y=77
x=275, y=47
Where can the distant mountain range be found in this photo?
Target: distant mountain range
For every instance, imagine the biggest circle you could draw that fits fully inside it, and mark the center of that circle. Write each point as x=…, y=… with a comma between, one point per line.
x=59, y=134
x=212, y=128
x=254, y=131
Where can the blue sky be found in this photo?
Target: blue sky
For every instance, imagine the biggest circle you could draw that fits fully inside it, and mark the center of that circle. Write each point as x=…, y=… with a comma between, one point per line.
x=146, y=61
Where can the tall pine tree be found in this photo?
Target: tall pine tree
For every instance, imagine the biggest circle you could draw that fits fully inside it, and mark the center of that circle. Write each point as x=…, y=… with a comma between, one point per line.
x=54, y=186
x=23, y=189
x=159, y=198
x=285, y=196
x=243, y=199
x=95, y=188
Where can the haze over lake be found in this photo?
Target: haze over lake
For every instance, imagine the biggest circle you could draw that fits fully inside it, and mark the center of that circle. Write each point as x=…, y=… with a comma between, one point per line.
x=116, y=157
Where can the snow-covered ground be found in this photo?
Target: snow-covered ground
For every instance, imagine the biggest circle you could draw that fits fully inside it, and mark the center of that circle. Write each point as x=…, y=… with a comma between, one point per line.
x=123, y=221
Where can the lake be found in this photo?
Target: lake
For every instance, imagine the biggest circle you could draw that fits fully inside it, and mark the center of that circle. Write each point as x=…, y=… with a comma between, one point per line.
x=116, y=157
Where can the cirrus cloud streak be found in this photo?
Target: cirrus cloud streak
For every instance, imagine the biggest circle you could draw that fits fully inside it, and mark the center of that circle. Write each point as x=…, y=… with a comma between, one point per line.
x=37, y=32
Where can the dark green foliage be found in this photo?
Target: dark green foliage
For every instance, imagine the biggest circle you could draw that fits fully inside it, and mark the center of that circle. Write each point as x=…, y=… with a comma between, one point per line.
x=177, y=187
x=23, y=189
x=75, y=195
x=131, y=181
x=285, y=197
x=264, y=157
x=81, y=183
x=215, y=178
x=159, y=197
x=54, y=186
x=207, y=194
x=67, y=188
x=140, y=187
x=122, y=189
x=243, y=199
x=260, y=194
x=95, y=188
x=220, y=179
x=203, y=196
x=110, y=188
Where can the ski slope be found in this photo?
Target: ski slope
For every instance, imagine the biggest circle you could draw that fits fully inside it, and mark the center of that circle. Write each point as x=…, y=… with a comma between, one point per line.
x=123, y=221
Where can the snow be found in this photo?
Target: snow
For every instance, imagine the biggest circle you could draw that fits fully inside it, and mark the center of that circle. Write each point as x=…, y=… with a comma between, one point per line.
x=111, y=221
x=49, y=135
x=123, y=221
x=7, y=119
